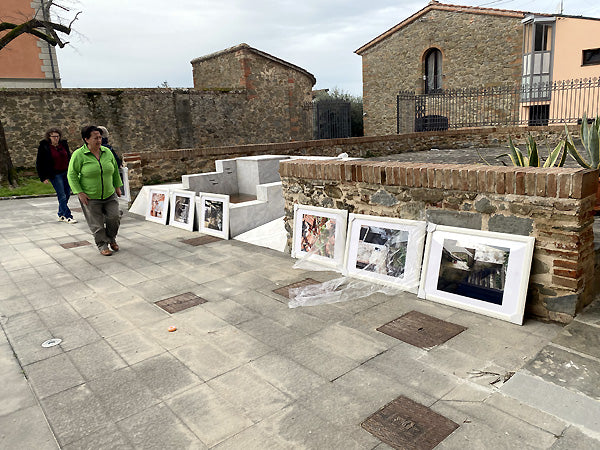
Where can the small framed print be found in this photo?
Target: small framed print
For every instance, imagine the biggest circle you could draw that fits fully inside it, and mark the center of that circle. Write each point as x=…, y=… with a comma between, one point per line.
x=125, y=194
x=480, y=271
x=214, y=215
x=183, y=206
x=320, y=233
x=385, y=250
x=158, y=205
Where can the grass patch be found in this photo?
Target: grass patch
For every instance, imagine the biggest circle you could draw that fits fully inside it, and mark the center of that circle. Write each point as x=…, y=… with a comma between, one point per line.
x=28, y=185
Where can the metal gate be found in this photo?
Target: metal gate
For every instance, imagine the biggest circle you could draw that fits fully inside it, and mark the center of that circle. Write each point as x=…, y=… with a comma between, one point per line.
x=331, y=119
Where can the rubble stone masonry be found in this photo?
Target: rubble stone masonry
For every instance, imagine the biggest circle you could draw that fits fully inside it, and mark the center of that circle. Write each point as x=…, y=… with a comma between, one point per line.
x=478, y=50
x=553, y=205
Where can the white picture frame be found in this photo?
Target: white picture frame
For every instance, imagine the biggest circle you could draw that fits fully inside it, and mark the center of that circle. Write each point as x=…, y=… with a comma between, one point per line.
x=125, y=193
x=479, y=271
x=323, y=242
x=213, y=212
x=157, y=209
x=183, y=208
x=385, y=250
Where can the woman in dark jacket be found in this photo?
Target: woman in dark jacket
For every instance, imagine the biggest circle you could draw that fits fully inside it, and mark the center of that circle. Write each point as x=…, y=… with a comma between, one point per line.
x=52, y=163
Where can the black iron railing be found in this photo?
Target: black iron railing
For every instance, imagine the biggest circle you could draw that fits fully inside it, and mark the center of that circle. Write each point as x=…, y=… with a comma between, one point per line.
x=548, y=103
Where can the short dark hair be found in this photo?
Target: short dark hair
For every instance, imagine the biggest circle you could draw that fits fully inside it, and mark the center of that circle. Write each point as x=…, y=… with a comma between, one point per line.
x=53, y=130
x=87, y=131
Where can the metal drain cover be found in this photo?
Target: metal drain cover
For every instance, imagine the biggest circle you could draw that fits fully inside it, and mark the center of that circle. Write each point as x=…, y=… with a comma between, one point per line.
x=180, y=302
x=51, y=342
x=285, y=290
x=405, y=424
x=75, y=244
x=421, y=330
x=201, y=240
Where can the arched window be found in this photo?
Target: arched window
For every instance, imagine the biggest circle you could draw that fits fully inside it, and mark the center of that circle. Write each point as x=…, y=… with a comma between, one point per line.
x=433, y=71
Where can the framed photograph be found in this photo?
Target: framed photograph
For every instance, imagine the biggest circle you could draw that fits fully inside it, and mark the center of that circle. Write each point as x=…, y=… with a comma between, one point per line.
x=183, y=206
x=385, y=250
x=320, y=233
x=214, y=215
x=480, y=271
x=125, y=194
x=158, y=205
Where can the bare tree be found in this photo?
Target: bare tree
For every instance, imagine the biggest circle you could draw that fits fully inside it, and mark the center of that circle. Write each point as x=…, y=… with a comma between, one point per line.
x=42, y=27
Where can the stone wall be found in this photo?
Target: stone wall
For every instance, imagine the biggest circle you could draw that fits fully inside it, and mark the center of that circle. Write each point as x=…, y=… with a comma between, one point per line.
x=161, y=166
x=242, y=97
x=477, y=50
x=141, y=120
x=553, y=205
x=276, y=90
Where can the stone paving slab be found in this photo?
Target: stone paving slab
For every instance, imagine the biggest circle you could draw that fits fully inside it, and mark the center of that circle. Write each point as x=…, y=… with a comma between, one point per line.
x=242, y=370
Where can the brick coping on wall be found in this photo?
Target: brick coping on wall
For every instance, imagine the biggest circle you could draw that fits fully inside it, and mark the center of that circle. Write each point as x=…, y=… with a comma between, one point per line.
x=535, y=181
x=273, y=148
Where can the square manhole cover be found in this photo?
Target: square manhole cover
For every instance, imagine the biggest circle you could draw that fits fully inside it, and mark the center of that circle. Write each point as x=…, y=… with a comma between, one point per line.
x=201, y=240
x=405, y=424
x=285, y=290
x=421, y=330
x=75, y=244
x=180, y=302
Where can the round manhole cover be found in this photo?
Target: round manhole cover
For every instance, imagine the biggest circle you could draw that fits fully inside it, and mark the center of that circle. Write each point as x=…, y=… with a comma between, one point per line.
x=51, y=342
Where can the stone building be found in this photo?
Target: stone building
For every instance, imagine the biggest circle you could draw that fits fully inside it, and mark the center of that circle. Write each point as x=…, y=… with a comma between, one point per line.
x=444, y=47
x=241, y=96
x=27, y=61
x=276, y=90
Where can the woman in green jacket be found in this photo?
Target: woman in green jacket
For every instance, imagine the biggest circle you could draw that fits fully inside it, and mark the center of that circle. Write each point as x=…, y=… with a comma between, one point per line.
x=94, y=176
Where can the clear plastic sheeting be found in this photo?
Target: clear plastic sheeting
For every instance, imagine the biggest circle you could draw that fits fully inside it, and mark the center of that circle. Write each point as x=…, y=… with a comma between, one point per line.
x=342, y=289
x=337, y=290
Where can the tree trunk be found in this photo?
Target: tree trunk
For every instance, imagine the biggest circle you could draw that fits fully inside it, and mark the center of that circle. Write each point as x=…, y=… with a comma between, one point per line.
x=7, y=170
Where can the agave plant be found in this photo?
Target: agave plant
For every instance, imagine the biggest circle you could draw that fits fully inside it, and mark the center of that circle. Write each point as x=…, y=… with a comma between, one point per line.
x=590, y=140
x=532, y=159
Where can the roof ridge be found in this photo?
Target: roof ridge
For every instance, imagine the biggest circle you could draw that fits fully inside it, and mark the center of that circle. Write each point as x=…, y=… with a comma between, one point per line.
x=241, y=46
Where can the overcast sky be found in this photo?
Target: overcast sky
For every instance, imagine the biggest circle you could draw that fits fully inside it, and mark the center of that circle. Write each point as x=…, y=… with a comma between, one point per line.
x=142, y=43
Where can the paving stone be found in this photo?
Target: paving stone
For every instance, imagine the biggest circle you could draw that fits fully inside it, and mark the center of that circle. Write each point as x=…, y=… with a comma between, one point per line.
x=512, y=429
x=347, y=342
x=53, y=375
x=29, y=348
x=298, y=428
x=134, y=346
x=270, y=332
x=26, y=428
x=573, y=438
x=96, y=360
x=208, y=415
x=246, y=389
x=237, y=345
x=165, y=375
x=158, y=427
x=75, y=334
x=204, y=359
x=122, y=394
x=230, y=311
x=526, y=413
x=567, y=369
x=109, y=323
x=321, y=361
x=141, y=312
x=276, y=369
x=107, y=437
x=558, y=401
x=74, y=414
x=580, y=337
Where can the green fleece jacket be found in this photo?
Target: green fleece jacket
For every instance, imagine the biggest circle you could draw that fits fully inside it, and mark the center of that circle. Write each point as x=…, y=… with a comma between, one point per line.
x=97, y=178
